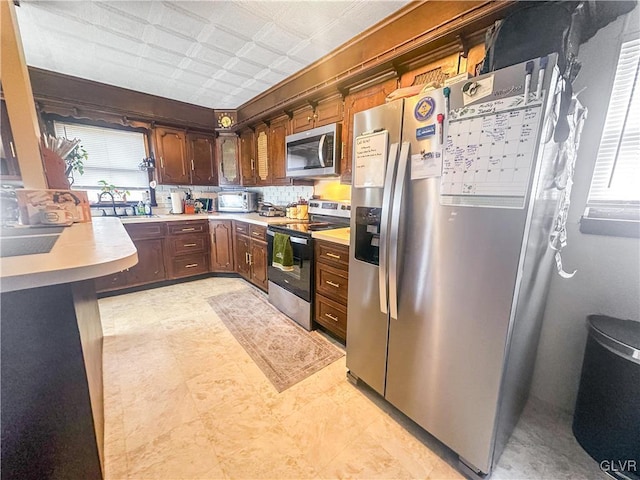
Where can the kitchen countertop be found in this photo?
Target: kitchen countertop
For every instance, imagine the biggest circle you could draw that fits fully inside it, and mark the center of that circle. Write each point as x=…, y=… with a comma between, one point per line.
x=337, y=235
x=83, y=251
x=242, y=217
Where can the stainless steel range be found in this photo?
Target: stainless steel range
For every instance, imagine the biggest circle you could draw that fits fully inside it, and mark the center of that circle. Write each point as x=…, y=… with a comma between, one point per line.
x=292, y=291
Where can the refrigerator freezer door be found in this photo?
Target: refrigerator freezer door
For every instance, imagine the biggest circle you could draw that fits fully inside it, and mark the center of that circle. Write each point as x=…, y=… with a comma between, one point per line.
x=455, y=288
x=368, y=325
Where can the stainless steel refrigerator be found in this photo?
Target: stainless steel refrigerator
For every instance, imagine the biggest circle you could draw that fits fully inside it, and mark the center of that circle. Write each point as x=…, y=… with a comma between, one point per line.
x=449, y=270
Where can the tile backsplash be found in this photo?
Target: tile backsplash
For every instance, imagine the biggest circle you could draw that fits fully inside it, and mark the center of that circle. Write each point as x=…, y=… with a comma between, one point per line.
x=276, y=195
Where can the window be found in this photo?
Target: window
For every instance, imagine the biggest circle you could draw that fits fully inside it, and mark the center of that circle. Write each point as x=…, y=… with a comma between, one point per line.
x=615, y=187
x=113, y=156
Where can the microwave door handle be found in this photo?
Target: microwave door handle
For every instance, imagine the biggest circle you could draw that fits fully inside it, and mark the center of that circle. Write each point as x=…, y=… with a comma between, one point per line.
x=323, y=139
x=384, y=226
x=394, y=235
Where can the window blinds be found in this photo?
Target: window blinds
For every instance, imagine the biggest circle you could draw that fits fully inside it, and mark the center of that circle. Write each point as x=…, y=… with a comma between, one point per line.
x=616, y=178
x=113, y=156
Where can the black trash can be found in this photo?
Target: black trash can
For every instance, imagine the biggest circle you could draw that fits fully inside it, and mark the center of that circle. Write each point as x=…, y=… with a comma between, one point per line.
x=606, y=421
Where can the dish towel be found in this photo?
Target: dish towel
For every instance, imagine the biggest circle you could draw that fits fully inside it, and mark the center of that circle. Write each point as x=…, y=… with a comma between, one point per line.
x=282, y=252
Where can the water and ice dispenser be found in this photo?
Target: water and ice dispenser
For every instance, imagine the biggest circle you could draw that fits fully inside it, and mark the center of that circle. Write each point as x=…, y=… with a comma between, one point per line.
x=367, y=248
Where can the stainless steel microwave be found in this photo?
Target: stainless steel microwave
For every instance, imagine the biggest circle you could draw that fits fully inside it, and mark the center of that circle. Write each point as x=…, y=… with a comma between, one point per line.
x=237, y=201
x=314, y=153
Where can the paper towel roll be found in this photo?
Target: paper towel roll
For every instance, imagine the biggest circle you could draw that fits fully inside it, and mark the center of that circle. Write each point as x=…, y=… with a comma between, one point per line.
x=176, y=202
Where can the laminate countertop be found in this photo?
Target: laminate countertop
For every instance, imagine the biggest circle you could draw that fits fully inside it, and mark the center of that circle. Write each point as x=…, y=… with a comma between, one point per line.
x=241, y=217
x=83, y=251
x=337, y=235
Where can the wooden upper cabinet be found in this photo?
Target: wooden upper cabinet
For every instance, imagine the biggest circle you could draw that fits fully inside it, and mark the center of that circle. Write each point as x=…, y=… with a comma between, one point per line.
x=302, y=119
x=201, y=152
x=171, y=156
x=329, y=111
x=278, y=131
x=357, y=102
x=325, y=112
x=228, y=171
x=9, y=168
x=248, y=171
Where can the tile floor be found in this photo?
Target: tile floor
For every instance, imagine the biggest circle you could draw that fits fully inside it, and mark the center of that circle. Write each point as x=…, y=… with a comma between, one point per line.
x=184, y=400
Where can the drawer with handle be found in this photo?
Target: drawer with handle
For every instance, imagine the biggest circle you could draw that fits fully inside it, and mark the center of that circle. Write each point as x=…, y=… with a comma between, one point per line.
x=241, y=228
x=332, y=253
x=332, y=282
x=140, y=231
x=183, y=244
x=331, y=315
x=188, y=265
x=183, y=228
x=258, y=232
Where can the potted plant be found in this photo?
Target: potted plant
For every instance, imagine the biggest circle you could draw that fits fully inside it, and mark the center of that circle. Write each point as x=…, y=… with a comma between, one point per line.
x=75, y=162
x=115, y=192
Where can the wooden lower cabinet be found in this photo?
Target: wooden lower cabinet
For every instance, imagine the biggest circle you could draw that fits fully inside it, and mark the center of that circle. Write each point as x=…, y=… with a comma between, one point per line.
x=221, y=239
x=251, y=253
x=258, y=261
x=242, y=245
x=150, y=267
x=331, y=281
x=166, y=250
x=148, y=239
x=187, y=248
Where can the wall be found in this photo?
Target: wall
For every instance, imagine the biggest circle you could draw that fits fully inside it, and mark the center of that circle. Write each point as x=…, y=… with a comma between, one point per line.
x=608, y=277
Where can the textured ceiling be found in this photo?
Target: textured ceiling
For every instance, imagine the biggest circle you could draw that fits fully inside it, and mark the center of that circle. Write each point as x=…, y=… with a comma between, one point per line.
x=215, y=53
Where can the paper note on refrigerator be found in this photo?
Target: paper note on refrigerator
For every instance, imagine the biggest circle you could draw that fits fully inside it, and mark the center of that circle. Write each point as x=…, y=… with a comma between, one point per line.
x=489, y=154
x=426, y=165
x=370, y=158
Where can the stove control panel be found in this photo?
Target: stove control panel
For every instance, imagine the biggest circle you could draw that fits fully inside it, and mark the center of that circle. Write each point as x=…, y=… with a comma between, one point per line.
x=330, y=207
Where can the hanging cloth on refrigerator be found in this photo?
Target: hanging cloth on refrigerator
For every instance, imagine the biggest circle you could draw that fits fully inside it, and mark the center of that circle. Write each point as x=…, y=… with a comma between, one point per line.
x=282, y=252
x=563, y=181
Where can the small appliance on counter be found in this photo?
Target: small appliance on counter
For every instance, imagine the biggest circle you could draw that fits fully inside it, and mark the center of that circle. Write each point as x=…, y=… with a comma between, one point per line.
x=270, y=210
x=237, y=201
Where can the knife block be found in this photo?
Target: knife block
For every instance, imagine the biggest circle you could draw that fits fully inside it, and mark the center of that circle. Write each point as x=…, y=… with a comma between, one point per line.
x=54, y=169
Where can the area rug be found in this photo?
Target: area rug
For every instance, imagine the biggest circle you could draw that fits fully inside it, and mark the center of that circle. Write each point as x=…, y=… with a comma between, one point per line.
x=284, y=351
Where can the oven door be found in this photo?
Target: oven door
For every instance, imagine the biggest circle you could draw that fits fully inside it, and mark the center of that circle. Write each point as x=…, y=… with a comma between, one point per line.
x=297, y=281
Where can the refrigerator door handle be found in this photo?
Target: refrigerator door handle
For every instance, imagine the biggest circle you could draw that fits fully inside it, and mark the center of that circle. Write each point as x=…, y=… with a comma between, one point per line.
x=384, y=227
x=394, y=229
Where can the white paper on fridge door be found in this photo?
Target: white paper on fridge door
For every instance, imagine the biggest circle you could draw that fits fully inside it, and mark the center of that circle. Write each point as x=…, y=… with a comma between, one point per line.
x=426, y=165
x=369, y=161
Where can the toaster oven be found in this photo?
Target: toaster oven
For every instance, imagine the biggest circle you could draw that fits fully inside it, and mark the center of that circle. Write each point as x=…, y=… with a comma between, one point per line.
x=237, y=201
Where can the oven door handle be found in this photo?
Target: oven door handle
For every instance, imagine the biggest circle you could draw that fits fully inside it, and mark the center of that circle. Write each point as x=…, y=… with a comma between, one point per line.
x=302, y=241
x=323, y=138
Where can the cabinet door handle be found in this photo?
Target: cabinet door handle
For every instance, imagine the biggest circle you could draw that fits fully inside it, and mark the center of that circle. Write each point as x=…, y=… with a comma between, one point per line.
x=190, y=229
x=189, y=244
x=192, y=167
x=257, y=234
x=333, y=284
x=253, y=165
x=13, y=150
x=213, y=237
x=250, y=259
x=246, y=257
x=161, y=161
x=332, y=317
x=191, y=265
x=333, y=255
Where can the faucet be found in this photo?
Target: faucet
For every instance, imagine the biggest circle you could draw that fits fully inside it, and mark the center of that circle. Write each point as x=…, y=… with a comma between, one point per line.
x=113, y=202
